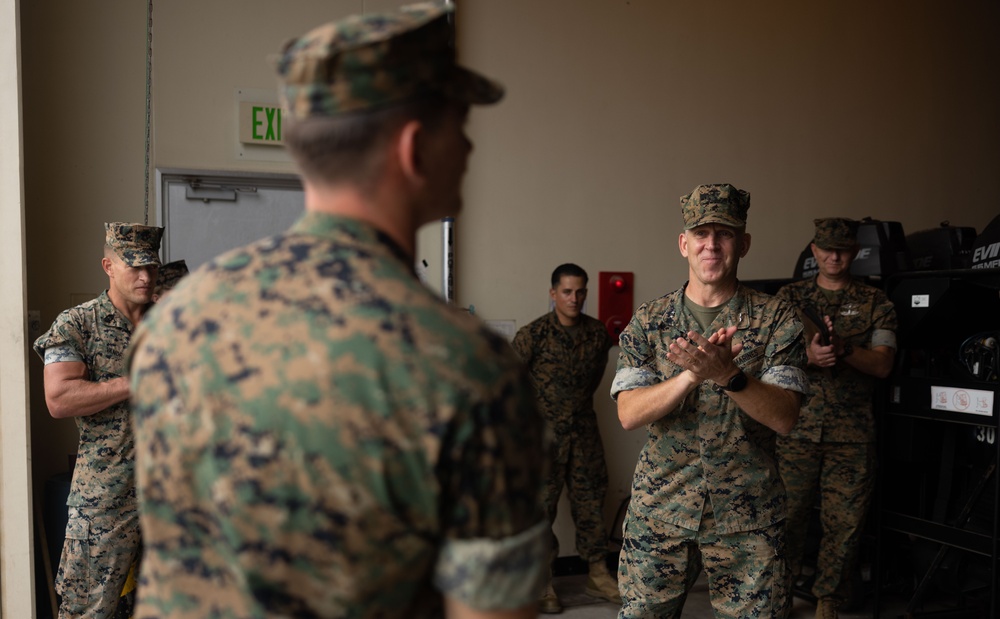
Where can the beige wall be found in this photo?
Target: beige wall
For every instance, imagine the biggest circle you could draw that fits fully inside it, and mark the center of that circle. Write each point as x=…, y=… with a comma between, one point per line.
x=614, y=109
x=16, y=561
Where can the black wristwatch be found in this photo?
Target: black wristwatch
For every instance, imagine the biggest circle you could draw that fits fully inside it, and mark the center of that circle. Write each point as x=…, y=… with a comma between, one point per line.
x=736, y=383
x=847, y=350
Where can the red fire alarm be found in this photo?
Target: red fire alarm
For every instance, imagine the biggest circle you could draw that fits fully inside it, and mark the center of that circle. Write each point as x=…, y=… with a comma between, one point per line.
x=614, y=303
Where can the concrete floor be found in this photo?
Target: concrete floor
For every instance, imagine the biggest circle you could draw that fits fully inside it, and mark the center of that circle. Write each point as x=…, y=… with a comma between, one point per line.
x=579, y=605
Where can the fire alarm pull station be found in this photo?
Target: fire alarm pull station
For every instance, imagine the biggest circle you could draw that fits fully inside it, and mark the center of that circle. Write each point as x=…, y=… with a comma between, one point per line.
x=615, y=300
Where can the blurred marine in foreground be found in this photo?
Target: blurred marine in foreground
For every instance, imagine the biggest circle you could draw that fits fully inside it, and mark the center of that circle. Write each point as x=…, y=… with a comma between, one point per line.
x=318, y=434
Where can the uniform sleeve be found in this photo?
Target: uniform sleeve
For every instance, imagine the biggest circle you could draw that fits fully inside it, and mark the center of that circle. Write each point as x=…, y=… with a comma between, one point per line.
x=522, y=345
x=61, y=353
x=636, y=360
x=785, y=294
x=64, y=333
x=884, y=322
x=495, y=547
x=785, y=353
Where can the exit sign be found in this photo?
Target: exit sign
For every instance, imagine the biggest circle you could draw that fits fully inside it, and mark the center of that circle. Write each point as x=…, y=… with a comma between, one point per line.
x=260, y=123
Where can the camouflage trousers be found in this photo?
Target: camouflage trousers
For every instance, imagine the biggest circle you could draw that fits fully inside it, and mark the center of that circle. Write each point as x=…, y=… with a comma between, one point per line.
x=842, y=475
x=660, y=562
x=578, y=464
x=99, y=549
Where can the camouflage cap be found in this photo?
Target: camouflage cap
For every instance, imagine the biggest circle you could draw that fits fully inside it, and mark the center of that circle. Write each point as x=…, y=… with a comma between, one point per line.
x=720, y=204
x=170, y=273
x=835, y=233
x=137, y=245
x=369, y=61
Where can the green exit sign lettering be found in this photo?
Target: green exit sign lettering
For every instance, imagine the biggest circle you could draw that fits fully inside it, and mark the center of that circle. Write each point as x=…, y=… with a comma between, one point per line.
x=260, y=123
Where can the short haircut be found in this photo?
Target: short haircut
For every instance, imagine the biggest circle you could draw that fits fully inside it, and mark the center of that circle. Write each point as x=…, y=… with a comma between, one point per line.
x=569, y=269
x=351, y=148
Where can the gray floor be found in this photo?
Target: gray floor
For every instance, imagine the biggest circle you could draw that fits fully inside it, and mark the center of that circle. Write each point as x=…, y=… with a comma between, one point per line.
x=579, y=605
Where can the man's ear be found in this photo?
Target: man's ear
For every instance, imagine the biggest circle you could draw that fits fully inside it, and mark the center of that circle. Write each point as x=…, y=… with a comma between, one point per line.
x=106, y=264
x=746, y=245
x=407, y=151
x=682, y=244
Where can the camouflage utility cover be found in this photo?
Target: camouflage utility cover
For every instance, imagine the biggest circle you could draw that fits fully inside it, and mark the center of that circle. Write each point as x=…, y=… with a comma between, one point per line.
x=168, y=276
x=319, y=435
x=369, y=61
x=709, y=449
x=719, y=203
x=839, y=407
x=137, y=245
x=835, y=233
x=98, y=334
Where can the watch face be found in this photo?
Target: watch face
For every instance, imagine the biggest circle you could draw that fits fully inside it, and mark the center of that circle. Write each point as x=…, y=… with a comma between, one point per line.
x=737, y=383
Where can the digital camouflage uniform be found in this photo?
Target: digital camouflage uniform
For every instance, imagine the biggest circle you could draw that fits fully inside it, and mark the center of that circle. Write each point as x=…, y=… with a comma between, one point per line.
x=102, y=531
x=170, y=273
x=706, y=488
x=319, y=435
x=831, y=451
x=566, y=365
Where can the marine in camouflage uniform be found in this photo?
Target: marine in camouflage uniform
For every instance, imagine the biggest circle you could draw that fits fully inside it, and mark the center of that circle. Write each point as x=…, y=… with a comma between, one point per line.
x=566, y=352
x=830, y=454
x=706, y=491
x=318, y=434
x=85, y=378
x=170, y=274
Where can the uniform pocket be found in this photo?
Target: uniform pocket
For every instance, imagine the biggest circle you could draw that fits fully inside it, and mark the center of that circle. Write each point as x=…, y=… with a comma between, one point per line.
x=73, y=579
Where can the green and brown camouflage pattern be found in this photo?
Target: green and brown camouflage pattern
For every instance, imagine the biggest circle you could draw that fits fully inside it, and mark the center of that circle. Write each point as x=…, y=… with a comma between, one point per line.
x=839, y=406
x=370, y=61
x=830, y=452
x=660, y=562
x=565, y=366
x=168, y=276
x=835, y=233
x=320, y=435
x=137, y=245
x=706, y=483
x=717, y=203
x=102, y=533
x=96, y=556
x=841, y=476
x=98, y=335
x=709, y=449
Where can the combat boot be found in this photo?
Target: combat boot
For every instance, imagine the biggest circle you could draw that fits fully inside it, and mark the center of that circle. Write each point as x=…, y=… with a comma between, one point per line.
x=826, y=608
x=549, y=604
x=600, y=584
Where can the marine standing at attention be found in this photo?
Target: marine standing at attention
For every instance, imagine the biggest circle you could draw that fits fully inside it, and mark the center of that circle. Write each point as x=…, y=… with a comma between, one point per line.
x=830, y=454
x=566, y=352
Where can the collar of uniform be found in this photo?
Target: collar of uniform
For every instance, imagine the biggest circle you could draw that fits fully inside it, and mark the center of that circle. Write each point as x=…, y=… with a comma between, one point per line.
x=736, y=311
x=109, y=314
x=846, y=291
x=560, y=327
x=337, y=227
